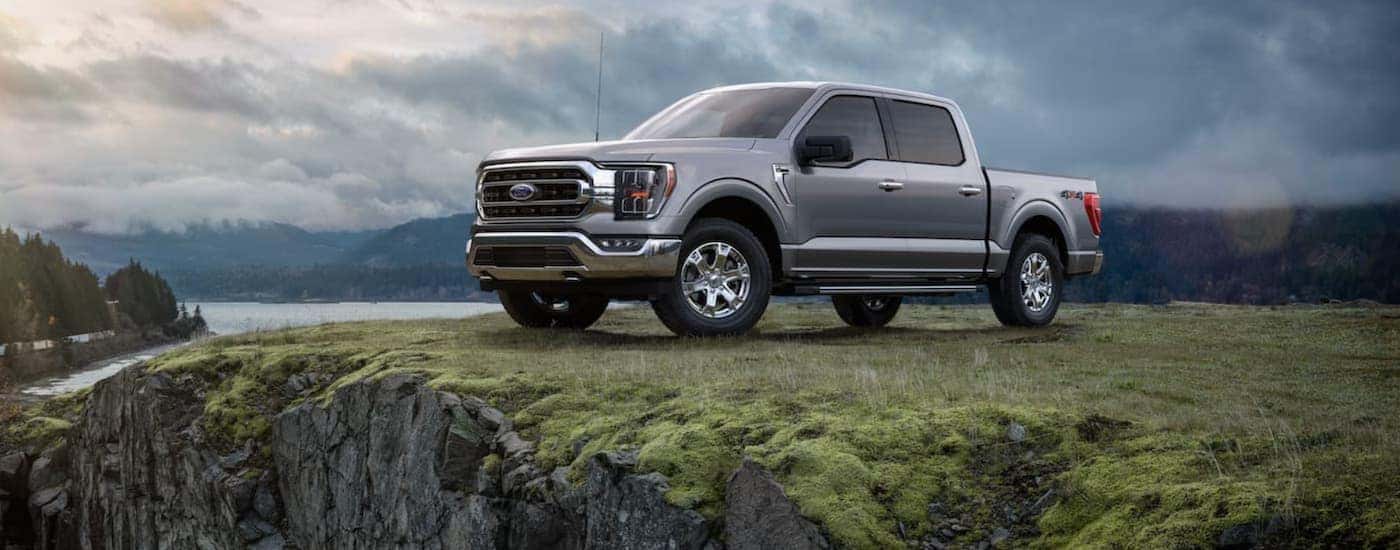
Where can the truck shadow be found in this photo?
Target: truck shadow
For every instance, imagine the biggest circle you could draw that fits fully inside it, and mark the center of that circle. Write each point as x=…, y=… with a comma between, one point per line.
x=546, y=341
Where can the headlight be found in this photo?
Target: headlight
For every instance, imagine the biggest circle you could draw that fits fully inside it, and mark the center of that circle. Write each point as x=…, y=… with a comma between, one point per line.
x=640, y=191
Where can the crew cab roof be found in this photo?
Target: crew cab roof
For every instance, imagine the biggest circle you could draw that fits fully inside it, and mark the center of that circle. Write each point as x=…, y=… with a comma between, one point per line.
x=824, y=86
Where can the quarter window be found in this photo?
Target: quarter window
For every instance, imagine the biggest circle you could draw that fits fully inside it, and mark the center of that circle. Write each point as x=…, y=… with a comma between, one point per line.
x=925, y=133
x=854, y=117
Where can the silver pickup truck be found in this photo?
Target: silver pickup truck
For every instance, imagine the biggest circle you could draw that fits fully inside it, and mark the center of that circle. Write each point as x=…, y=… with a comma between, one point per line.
x=735, y=194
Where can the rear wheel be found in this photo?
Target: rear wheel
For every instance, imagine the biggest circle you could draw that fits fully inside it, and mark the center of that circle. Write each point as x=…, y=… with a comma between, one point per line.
x=540, y=310
x=866, y=310
x=1028, y=292
x=722, y=284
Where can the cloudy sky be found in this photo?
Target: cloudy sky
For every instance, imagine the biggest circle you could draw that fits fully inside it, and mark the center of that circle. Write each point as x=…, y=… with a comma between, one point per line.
x=343, y=114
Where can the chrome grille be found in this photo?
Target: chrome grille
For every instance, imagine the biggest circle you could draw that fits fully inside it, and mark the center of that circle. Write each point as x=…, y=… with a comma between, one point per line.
x=548, y=191
x=558, y=192
x=532, y=174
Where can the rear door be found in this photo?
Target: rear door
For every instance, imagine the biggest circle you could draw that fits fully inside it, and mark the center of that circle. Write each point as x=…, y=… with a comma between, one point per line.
x=844, y=215
x=945, y=195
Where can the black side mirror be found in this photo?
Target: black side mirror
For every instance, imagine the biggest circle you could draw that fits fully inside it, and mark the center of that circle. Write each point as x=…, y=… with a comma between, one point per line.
x=824, y=149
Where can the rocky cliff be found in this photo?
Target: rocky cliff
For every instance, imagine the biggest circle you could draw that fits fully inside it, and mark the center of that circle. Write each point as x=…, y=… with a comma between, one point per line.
x=387, y=463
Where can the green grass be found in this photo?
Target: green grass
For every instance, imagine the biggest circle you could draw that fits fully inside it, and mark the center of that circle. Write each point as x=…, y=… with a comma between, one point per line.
x=1234, y=415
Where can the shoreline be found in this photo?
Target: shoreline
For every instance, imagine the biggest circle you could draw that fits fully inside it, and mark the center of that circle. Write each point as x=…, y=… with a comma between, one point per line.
x=45, y=388
x=23, y=369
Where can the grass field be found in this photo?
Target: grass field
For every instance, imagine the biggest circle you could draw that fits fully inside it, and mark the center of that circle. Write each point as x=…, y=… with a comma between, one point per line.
x=1143, y=426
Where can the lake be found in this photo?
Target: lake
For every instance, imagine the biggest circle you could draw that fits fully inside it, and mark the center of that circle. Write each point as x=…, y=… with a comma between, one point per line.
x=238, y=317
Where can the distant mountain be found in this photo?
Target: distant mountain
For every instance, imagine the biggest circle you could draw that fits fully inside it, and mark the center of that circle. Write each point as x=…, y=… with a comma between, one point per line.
x=1152, y=255
x=208, y=246
x=419, y=242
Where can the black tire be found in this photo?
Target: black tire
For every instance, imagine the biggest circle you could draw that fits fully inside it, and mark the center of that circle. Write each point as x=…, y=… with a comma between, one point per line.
x=866, y=310
x=1005, y=292
x=539, y=310
x=674, y=308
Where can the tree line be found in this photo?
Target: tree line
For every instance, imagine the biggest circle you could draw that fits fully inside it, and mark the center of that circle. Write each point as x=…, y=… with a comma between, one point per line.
x=44, y=295
x=1262, y=256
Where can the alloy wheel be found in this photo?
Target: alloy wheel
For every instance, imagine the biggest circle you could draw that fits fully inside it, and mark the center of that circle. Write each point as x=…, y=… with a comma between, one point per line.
x=715, y=280
x=1037, y=282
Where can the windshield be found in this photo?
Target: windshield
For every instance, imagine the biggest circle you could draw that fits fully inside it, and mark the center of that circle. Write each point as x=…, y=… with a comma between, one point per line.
x=760, y=113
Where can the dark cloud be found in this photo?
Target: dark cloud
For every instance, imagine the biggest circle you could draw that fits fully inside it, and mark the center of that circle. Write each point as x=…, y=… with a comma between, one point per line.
x=220, y=86
x=1187, y=103
x=42, y=94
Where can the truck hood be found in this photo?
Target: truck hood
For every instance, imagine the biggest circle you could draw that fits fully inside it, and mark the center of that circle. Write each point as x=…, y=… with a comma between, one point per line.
x=620, y=151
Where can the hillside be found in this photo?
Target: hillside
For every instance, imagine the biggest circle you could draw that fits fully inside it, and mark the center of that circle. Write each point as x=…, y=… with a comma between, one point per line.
x=1181, y=426
x=1253, y=257
x=419, y=242
x=208, y=246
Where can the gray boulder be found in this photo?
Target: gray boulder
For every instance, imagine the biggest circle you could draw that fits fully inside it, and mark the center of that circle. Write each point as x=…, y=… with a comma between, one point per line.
x=758, y=514
x=14, y=472
x=626, y=510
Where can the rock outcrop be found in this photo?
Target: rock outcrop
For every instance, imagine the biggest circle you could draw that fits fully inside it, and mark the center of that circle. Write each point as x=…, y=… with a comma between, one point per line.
x=387, y=463
x=758, y=514
x=393, y=464
x=137, y=474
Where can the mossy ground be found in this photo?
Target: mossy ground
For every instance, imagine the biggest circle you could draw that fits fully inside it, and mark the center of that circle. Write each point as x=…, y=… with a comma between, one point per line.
x=1229, y=415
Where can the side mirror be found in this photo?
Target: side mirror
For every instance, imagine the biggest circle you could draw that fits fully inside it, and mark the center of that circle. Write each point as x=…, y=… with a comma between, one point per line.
x=824, y=149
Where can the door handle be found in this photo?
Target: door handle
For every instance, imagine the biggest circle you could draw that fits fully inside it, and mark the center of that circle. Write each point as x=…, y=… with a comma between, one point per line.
x=970, y=191
x=890, y=186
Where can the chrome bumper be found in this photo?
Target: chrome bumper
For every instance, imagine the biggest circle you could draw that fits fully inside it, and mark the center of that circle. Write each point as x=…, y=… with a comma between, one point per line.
x=1084, y=263
x=656, y=258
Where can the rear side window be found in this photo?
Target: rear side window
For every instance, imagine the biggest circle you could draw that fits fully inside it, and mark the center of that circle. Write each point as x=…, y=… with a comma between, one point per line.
x=854, y=117
x=925, y=133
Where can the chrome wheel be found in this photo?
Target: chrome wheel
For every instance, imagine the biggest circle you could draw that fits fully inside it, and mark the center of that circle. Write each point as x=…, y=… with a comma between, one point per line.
x=715, y=280
x=1037, y=282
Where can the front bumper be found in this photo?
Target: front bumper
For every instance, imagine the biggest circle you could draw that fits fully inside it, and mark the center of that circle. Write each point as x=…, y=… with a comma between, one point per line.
x=656, y=257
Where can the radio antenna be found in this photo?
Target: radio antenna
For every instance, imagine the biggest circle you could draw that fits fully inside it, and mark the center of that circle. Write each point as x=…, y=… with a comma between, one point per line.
x=598, y=107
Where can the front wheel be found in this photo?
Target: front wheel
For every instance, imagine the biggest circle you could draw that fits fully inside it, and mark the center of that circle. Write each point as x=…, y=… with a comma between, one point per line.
x=1028, y=292
x=722, y=284
x=866, y=311
x=540, y=310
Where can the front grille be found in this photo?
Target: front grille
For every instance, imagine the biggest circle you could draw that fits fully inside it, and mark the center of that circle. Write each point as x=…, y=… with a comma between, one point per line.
x=533, y=174
x=525, y=210
x=558, y=193
x=525, y=256
x=547, y=191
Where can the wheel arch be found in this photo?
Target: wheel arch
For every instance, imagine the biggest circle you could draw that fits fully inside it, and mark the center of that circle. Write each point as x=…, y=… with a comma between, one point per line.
x=743, y=203
x=1043, y=218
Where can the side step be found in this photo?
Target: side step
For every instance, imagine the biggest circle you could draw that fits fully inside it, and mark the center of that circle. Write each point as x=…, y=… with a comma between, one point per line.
x=907, y=290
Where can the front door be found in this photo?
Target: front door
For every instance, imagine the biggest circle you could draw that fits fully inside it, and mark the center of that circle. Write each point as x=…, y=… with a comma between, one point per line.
x=849, y=213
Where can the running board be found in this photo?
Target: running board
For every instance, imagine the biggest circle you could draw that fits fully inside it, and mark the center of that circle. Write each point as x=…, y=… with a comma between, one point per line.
x=890, y=289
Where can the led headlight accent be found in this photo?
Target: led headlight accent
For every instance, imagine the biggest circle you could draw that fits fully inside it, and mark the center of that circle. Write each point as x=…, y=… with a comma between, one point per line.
x=640, y=191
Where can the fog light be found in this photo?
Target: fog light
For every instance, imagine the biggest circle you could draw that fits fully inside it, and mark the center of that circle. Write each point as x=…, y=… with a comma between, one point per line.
x=620, y=244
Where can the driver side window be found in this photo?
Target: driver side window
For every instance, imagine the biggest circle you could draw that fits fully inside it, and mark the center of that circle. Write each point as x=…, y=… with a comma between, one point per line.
x=854, y=117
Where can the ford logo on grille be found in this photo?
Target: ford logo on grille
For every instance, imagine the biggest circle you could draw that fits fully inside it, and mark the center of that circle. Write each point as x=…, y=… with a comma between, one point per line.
x=523, y=191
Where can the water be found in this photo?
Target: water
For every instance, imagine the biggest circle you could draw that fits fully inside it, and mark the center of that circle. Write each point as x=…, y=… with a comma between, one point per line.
x=91, y=374
x=237, y=317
